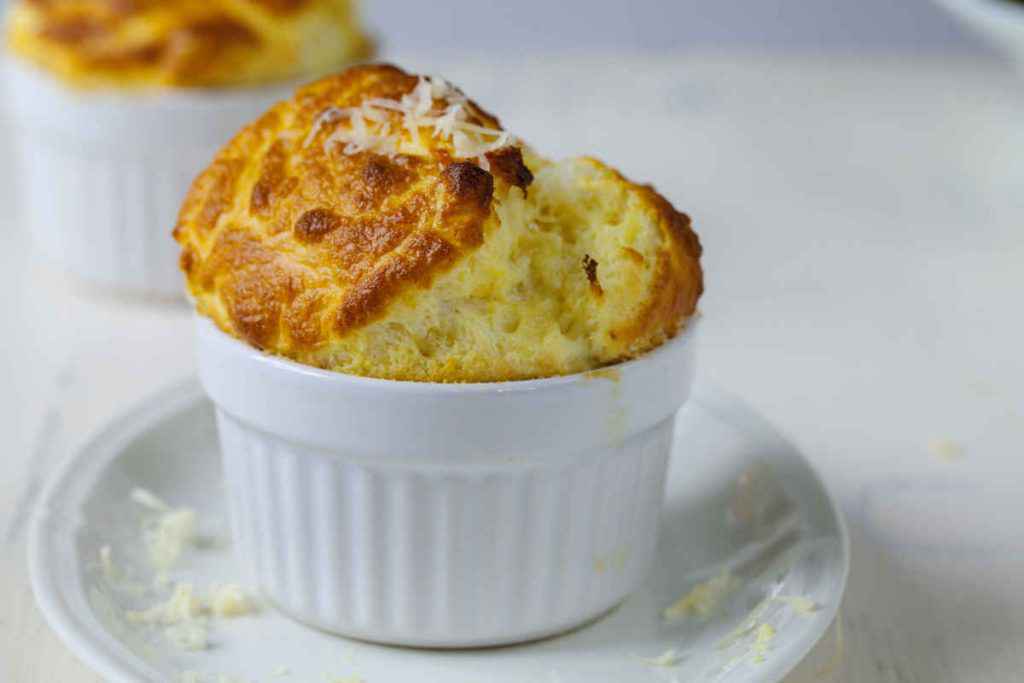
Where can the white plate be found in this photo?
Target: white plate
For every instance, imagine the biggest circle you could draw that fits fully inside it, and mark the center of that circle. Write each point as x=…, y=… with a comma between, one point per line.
x=737, y=467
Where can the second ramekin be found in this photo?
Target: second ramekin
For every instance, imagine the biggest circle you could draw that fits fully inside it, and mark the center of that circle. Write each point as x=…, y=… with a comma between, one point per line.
x=444, y=515
x=102, y=174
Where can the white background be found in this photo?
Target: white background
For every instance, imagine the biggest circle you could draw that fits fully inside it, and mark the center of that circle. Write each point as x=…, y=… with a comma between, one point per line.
x=518, y=27
x=862, y=219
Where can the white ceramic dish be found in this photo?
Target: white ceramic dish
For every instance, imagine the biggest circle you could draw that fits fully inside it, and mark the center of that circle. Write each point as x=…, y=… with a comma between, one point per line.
x=1001, y=21
x=444, y=515
x=105, y=173
x=734, y=463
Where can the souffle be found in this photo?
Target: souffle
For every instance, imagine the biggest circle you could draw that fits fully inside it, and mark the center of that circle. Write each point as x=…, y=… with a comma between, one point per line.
x=185, y=43
x=382, y=224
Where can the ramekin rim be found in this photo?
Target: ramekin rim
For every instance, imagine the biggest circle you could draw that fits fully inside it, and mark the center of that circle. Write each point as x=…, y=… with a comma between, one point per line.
x=685, y=335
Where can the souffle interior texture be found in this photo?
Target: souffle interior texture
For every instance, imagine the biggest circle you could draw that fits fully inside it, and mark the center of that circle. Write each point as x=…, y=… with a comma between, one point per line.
x=382, y=224
x=185, y=43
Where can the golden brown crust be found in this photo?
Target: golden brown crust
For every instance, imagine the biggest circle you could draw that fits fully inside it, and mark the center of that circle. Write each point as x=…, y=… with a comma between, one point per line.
x=421, y=255
x=679, y=280
x=298, y=244
x=358, y=228
x=507, y=164
x=184, y=42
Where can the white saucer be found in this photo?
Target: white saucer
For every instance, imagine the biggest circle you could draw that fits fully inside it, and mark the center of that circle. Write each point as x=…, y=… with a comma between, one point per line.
x=730, y=465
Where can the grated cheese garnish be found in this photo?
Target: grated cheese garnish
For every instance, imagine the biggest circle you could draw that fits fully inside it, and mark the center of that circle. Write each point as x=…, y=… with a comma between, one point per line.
x=747, y=626
x=704, y=598
x=945, y=449
x=169, y=533
x=184, y=618
x=370, y=124
x=763, y=638
x=184, y=614
x=168, y=536
x=229, y=600
x=182, y=606
x=798, y=603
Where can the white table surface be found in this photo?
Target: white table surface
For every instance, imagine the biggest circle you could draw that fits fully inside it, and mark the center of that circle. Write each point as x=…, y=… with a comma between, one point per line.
x=863, y=219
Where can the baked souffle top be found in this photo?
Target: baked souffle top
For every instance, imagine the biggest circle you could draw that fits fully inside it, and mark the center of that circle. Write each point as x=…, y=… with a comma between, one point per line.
x=184, y=43
x=382, y=224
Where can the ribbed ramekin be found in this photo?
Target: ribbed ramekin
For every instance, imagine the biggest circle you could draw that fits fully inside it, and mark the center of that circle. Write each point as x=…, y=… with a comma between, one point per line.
x=444, y=515
x=103, y=173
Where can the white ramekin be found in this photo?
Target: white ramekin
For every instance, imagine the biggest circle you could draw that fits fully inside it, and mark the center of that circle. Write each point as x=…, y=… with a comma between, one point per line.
x=444, y=515
x=102, y=174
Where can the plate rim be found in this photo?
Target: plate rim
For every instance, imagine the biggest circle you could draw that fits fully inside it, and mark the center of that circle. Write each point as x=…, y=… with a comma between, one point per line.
x=106, y=442
x=712, y=395
x=102, y=444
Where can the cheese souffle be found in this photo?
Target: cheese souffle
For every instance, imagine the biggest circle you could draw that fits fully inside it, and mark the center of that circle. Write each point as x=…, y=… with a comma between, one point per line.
x=185, y=43
x=383, y=224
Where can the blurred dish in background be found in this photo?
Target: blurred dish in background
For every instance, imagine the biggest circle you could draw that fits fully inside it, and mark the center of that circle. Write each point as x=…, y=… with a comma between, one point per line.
x=119, y=105
x=1001, y=21
x=185, y=43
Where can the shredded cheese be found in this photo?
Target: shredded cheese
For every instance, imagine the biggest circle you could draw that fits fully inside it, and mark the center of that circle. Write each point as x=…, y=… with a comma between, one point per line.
x=667, y=658
x=763, y=638
x=747, y=626
x=229, y=600
x=185, y=613
x=181, y=619
x=704, y=598
x=167, y=538
x=169, y=533
x=182, y=606
x=370, y=125
x=798, y=603
x=945, y=449
x=184, y=616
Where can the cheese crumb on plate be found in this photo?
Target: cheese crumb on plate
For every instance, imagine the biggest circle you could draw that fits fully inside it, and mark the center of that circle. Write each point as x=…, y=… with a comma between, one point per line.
x=703, y=599
x=667, y=658
x=945, y=449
